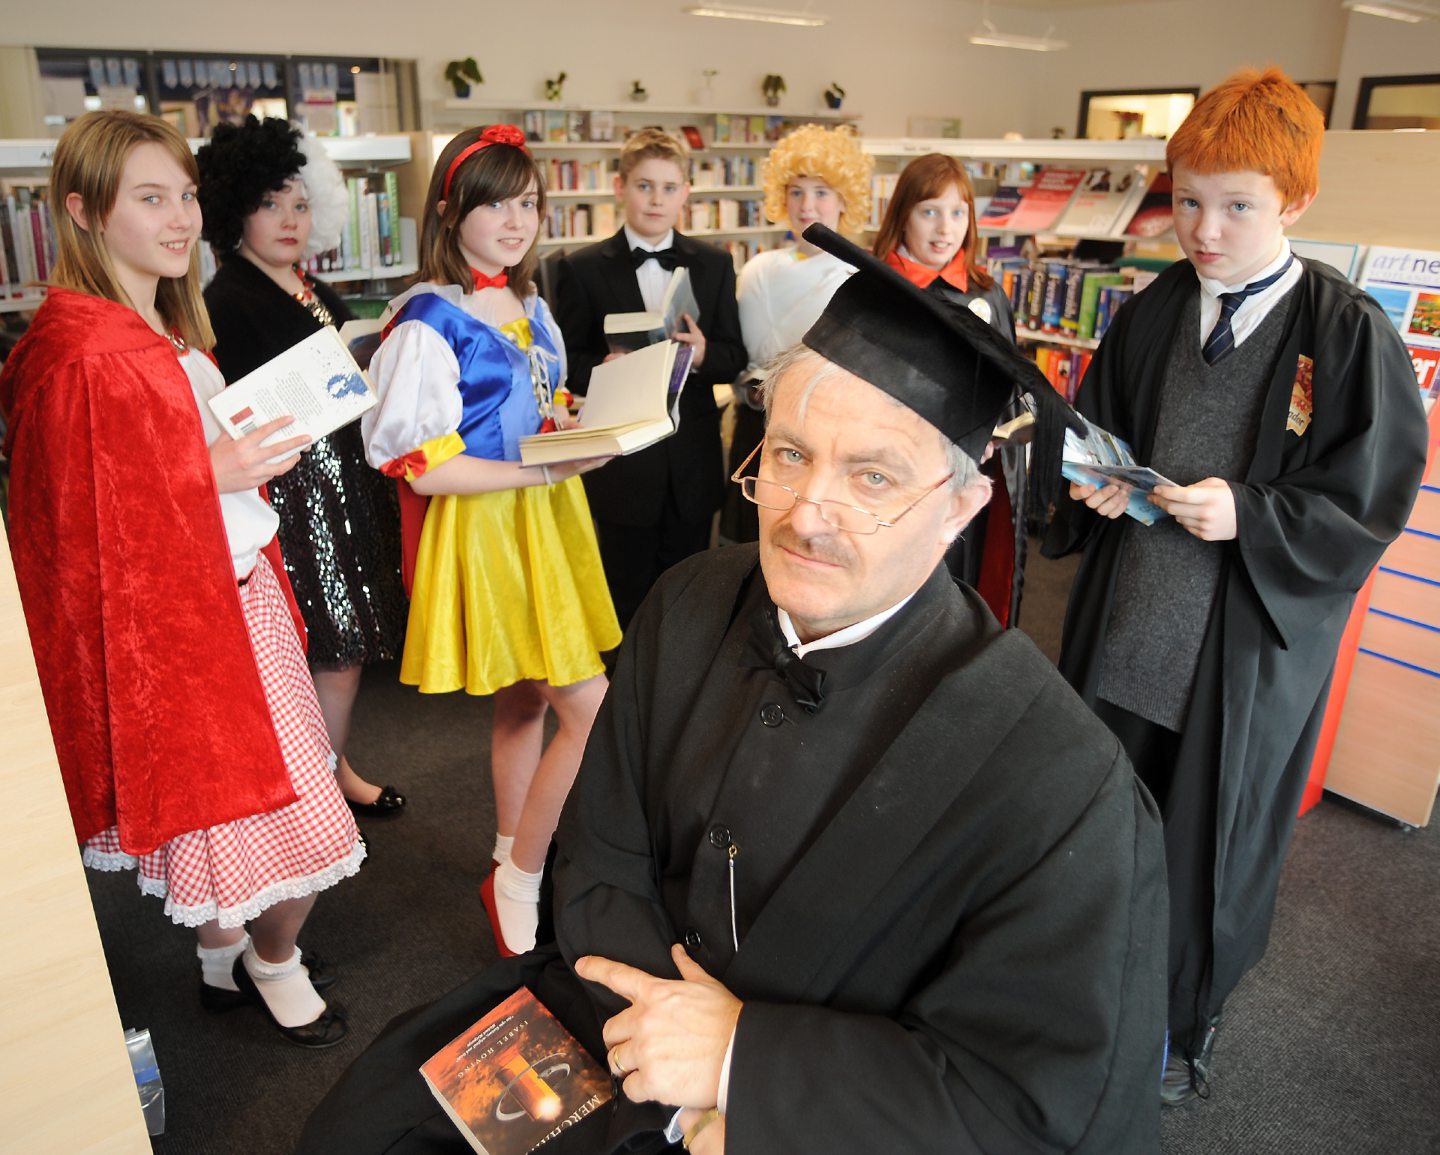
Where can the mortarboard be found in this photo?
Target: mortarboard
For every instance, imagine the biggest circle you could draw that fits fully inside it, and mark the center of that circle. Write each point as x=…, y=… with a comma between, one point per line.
x=933, y=356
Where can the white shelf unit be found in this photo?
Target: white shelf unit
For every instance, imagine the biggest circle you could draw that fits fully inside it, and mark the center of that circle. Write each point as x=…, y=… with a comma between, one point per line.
x=21, y=159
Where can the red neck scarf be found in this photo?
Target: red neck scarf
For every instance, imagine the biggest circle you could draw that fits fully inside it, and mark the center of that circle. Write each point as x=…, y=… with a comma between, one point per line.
x=485, y=281
x=954, y=274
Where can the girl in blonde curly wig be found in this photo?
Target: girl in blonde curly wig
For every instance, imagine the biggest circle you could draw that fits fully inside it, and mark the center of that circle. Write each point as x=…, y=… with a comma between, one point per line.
x=814, y=175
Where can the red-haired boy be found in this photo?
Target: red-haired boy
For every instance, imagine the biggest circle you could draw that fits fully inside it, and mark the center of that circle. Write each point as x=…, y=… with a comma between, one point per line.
x=1283, y=402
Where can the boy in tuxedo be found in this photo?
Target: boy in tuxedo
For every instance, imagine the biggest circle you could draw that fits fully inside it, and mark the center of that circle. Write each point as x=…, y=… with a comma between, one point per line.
x=655, y=507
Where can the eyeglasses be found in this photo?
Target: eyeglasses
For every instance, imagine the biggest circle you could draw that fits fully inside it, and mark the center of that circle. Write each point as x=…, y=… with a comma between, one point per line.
x=849, y=518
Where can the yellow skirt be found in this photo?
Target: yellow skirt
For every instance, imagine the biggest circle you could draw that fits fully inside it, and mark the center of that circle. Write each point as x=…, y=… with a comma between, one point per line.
x=508, y=587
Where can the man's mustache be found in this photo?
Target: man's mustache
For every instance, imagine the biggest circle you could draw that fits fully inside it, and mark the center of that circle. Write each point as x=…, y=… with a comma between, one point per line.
x=824, y=548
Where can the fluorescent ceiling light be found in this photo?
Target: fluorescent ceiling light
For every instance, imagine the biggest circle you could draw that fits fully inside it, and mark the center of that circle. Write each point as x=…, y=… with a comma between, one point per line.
x=761, y=15
x=991, y=37
x=1394, y=10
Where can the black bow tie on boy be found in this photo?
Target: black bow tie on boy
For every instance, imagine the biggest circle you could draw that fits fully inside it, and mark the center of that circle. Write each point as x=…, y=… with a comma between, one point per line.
x=1222, y=337
x=668, y=259
x=806, y=683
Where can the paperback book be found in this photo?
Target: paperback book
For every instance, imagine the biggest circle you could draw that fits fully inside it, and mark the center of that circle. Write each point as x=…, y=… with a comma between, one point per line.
x=1155, y=215
x=317, y=382
x=1106, y=198
x=625, y=332
x=516, y=1078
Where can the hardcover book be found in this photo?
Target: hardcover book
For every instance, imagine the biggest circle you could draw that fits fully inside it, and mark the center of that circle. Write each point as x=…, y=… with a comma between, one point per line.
x=632, y=403
x=516, y=1078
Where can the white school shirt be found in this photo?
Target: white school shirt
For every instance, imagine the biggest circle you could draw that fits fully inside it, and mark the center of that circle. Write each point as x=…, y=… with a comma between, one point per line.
x=1254, y=309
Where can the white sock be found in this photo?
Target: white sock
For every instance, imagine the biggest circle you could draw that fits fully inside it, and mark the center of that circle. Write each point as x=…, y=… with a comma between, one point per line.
x=286, y=989
x=517, y=904
x=217, y=964
x=503, y=845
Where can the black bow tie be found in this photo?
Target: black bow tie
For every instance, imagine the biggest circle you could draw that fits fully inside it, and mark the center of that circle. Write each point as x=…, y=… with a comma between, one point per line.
x=670, y=258
x=806, y=683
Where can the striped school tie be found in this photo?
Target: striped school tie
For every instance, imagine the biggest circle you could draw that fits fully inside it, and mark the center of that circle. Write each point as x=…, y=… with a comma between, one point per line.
x=1222, y=337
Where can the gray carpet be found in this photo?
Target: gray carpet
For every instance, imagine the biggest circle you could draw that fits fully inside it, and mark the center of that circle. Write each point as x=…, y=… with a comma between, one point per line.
x=1330, y=1046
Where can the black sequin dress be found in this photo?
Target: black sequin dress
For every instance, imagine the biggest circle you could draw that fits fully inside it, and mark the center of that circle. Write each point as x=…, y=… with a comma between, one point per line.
x=339, y=522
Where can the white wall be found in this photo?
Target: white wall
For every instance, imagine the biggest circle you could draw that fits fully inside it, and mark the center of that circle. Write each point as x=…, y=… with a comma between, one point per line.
x=896, y=59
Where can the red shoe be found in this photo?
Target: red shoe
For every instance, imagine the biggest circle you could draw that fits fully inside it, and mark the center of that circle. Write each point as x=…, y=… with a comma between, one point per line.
x=487, y=896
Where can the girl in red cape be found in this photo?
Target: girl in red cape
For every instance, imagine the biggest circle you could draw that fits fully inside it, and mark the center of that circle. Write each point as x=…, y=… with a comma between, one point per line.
x=184, y=719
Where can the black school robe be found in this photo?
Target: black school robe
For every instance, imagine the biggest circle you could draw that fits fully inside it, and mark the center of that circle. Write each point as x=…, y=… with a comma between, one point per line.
x=950, y=893
x=1314, y=513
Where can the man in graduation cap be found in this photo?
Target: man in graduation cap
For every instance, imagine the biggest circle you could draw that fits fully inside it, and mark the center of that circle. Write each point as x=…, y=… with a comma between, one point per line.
x=846, y=868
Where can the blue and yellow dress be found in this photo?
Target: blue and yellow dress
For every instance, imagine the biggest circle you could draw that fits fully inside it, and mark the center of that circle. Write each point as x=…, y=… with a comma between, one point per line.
x=507, y=585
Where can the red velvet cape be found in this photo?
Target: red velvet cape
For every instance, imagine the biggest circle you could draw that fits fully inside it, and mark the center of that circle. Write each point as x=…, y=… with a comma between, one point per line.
x=154, y=697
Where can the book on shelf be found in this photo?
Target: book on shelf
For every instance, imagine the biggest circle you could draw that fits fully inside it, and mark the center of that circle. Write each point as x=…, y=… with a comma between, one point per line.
x=693, y=137
x=1155, y=214
x=1107, y=196
x=1043, y=201
x=516, y=1078
x=632, y=403
x=602, y=124
x=1091, y=286
x=1003, y=204
x=1100, y=458
x=316, y=381
x=533, y=122
x=628, y=331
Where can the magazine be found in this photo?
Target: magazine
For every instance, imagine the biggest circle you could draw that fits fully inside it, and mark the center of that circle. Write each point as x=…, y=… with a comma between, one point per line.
x=1101, y=458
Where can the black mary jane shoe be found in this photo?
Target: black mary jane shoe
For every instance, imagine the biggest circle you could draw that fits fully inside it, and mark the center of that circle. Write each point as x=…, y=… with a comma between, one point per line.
x=326, y=1031
x=218, y=1000
x=390, y=803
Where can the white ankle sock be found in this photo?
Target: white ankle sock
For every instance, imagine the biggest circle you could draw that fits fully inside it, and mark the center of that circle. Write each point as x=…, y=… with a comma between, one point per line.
x=517, y=904
x=503, y=845
x=286, y=989
x=217, y=963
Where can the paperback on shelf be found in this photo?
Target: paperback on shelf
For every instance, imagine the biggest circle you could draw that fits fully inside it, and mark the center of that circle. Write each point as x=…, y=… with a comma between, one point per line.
x=1101, y=458
x=1106, y=197
x=316, y=381
x=516, y=1078
x=632, y=403
x=1042, y=202
x=1155, y=215
x=628, y=331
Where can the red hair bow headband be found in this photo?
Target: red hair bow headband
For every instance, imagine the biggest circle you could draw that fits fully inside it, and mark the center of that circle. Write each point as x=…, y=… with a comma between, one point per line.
x=494, y=134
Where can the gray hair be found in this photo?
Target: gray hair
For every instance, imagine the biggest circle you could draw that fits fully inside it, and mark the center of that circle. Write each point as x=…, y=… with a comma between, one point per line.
x=801, y=358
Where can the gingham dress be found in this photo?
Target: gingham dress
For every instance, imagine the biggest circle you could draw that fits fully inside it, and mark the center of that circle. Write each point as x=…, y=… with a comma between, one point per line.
x=234, y=871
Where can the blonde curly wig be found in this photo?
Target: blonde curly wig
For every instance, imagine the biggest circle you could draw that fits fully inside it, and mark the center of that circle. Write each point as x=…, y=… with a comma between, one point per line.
x=832, y=154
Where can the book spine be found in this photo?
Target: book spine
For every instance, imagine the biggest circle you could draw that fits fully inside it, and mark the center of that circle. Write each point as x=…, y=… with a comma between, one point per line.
x=392, y=195
x=1053, y=302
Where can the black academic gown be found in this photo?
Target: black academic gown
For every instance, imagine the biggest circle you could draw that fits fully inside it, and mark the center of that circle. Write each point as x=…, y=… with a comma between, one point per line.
x=1314, y=513
x=950, y=896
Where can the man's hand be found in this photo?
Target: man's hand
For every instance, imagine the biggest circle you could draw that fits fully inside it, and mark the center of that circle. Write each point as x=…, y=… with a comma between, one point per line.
x=692, y=336
x=669, y=1044
x=1206, y=509
x=710, y=1139
x=240, y=463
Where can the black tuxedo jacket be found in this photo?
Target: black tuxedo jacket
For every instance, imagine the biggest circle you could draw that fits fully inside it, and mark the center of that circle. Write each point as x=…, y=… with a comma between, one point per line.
x=600, y=279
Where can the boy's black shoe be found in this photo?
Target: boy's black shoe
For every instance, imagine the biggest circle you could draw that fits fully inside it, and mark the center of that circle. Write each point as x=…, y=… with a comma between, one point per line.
x=1185, y=1079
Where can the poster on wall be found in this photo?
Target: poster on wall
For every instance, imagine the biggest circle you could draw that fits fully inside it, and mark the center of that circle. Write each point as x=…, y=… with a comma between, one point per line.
x=1406, y=284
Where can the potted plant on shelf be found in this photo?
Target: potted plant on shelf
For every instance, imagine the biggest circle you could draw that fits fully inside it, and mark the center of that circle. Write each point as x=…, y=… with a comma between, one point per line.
x=461, y=73
x=772, y=86
x=834, y=95
x=554, y=86
x=638, y=93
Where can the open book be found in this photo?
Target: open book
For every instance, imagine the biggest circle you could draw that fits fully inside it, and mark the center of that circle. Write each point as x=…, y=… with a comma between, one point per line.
x=628, y=331
x=1101, y=458
x=633, y=402
x=516, y=1078
x=317, y=382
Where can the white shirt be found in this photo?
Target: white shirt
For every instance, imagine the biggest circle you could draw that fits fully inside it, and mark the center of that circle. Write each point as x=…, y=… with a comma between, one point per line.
x=1254, y=309
x=652, y=277
x=250, y=523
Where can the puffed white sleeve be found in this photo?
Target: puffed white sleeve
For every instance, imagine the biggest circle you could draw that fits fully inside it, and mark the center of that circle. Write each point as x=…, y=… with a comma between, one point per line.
x=416, y=376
